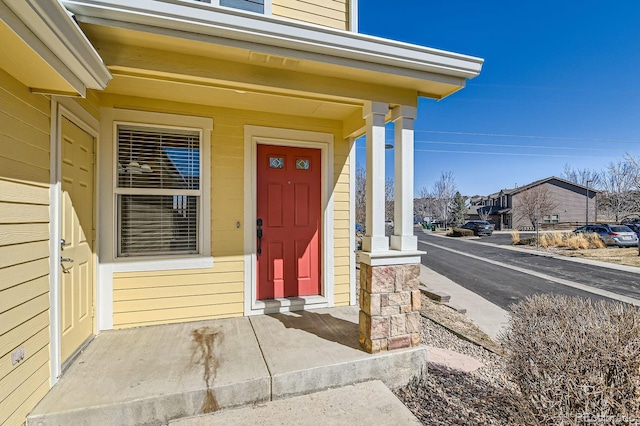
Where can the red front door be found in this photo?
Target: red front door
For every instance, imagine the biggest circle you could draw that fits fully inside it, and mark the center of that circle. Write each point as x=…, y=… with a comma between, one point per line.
x=288, y=185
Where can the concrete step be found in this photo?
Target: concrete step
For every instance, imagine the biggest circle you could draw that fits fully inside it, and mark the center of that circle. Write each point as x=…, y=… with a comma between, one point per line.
x=369, y=403
x=459, y=309
x=437, y=295
x=151, y=375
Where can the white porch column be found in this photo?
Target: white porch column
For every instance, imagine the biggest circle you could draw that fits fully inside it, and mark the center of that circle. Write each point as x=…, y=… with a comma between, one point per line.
x=374, y=240
x=403, y=238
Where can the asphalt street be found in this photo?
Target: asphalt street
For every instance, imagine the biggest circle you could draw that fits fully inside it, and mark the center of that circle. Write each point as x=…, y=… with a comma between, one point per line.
x=504, y=276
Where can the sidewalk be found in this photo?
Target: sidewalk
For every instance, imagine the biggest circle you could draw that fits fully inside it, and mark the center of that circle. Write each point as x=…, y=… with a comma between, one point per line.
x=370, y=403
x=491, y=318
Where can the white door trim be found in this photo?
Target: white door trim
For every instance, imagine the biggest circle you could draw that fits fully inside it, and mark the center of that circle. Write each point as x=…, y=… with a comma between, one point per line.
x=63, y=107
x=254, y=135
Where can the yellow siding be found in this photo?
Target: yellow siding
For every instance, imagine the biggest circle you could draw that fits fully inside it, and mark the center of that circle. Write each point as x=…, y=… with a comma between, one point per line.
x=159, y=297
x=24, y=248
x=342, y=230
x=329, y=13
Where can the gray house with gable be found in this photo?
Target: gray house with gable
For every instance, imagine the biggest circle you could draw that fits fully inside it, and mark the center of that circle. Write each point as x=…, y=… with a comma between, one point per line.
x=504, y=208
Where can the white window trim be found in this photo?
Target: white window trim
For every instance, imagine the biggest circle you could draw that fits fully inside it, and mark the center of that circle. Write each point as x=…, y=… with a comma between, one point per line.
x=216, y=3
x=110, y=118
x=202, y=248
x=254, y=135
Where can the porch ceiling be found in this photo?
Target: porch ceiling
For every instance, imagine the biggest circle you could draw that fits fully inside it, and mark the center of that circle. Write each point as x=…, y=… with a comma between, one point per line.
x=193, y=28
x=234, y=97
x=158, y=66
x=119, y=46
x=192, y=52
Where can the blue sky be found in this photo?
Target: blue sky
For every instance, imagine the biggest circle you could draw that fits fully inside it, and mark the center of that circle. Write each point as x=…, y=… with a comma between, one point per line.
x=560, y=84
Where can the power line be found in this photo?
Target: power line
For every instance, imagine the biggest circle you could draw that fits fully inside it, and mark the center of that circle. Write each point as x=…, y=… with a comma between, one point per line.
x=513, y=146
x=501, y=135
x=512, y=154
x=515, y=154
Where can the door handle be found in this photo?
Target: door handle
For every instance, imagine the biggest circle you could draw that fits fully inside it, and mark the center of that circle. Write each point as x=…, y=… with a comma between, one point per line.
x=64, y=269
x=259, y=235
x=63, y=243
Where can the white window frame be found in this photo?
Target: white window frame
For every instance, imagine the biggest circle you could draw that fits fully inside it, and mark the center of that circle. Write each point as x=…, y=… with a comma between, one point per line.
x=551, y=218
x=156, y=191
x=111, y=118
x=216, y=3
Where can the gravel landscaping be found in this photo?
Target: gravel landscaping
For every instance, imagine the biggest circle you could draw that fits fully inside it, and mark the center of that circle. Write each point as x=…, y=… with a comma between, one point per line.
x=450, y=397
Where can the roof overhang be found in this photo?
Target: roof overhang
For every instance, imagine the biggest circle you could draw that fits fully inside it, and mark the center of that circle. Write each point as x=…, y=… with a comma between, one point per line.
x=43, y=47
x=429, y=72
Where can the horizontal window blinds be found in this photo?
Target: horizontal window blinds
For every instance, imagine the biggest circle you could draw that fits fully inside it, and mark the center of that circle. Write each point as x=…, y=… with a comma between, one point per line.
x=157, y=158
x=157, y=191
x=158, y=225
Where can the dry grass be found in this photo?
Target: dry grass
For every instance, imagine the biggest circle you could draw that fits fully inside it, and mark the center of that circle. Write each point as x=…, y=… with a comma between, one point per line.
x=515, y=237
x=567, y=240
x=575, y=360
x=620, y=256
x=585, y=246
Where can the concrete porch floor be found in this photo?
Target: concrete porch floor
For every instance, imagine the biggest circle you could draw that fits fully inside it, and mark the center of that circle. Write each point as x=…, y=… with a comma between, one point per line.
x=151, y=375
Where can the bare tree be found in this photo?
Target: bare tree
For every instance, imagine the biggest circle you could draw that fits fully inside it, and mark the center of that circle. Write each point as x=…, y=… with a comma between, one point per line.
x=618, y=198
x=536, y=201
x=361, y=196
x=424, y=205
x=443, y=191
x=584, y=177
x=389, y=191
x=634, y=169
x=484, y=212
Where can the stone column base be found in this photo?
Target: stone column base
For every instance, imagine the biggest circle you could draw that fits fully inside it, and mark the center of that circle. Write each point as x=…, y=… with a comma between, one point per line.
x=389, y=307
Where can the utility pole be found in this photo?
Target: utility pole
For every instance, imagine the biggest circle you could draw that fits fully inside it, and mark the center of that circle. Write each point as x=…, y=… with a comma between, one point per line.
x=586, y=221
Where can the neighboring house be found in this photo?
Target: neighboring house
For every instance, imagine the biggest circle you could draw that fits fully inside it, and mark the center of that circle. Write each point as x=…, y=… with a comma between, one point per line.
x=175, y=160
x=570, y=203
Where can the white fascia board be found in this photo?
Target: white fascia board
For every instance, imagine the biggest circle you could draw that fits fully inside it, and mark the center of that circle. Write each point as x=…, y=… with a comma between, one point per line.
x=197, y=21
x=55, y=29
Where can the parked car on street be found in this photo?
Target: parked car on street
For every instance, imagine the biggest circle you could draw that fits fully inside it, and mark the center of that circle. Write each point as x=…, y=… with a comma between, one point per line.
x=479, y=227
x=635, y=227
x=611, y=235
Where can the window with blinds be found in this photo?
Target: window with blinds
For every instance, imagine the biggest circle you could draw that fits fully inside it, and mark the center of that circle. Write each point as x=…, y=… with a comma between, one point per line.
x=157, y=191
x=250, y=5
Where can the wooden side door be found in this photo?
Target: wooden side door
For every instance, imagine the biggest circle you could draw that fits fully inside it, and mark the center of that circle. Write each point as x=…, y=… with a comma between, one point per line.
x=76, y=292
x=289, y=211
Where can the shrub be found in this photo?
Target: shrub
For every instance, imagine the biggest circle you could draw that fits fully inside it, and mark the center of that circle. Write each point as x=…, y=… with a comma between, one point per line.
x=459, y=232
x=578, y=241
x=562, y=239
x=526, y=241
x=575, y=360
x=515, y=237
x=584, y=241
x=557, y=239
x=595, y=241
x=545, y=240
